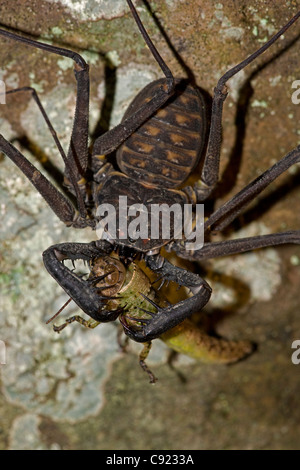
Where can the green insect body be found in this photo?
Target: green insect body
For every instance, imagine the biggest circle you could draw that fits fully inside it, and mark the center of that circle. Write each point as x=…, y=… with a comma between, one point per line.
x=131, y=288
x=187, y=338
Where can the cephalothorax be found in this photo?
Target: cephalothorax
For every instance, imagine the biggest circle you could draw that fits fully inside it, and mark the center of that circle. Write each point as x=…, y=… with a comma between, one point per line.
x=159, y=143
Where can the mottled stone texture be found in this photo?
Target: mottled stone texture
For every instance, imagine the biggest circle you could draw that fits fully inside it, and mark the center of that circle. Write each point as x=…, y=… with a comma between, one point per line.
x=76, y=391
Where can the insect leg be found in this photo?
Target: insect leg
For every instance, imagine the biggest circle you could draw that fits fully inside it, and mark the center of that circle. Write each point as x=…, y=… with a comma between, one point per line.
x=142, y=359
x=86, y=323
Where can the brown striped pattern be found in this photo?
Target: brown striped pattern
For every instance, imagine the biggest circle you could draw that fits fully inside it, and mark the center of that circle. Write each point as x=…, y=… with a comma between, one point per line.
x=165, y=149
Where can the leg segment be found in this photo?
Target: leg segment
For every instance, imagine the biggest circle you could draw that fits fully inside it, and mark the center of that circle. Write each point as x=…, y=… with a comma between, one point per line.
x=210, y=171
x=87, y=323
x=239, y=245
x=77, y=159
x=142, y=359
x=167, y=318
x=79, y=195
x=84, y=293
x=223, y=216
x=56, y=200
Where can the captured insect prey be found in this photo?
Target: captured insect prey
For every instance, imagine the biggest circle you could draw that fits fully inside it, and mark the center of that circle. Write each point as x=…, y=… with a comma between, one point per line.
x=136, y=298
x=133, y=189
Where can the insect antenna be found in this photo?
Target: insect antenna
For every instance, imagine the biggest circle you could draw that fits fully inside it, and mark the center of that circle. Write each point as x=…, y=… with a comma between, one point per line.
x=59, y=311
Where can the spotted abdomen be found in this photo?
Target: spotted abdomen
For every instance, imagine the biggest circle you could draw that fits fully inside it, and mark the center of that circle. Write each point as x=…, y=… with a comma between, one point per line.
x=166, y=148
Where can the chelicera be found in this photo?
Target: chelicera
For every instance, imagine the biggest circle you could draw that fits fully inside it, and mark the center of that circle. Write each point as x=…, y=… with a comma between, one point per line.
x=159, y=143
